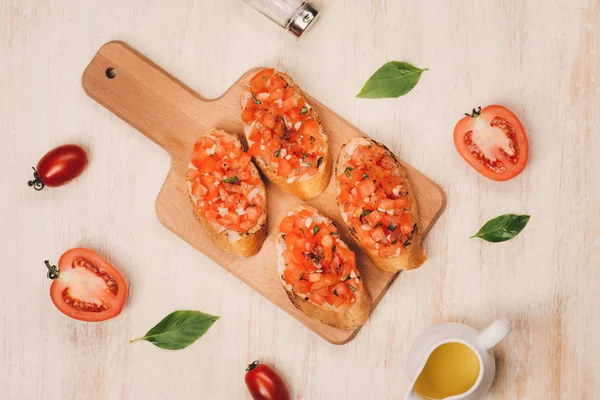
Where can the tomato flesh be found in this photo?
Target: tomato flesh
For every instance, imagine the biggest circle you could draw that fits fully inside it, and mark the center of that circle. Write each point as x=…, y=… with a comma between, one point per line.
x=493, y=141
x=88, y=288
x=61, y=165
x=318, y=264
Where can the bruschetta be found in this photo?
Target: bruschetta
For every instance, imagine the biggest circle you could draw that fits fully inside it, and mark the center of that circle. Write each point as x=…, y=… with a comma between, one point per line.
x=227, y=194
x=378, y=205
x=318, y=271
x=284, y=134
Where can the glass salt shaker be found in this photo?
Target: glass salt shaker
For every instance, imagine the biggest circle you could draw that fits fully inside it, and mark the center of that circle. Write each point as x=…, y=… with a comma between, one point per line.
x=295, y=16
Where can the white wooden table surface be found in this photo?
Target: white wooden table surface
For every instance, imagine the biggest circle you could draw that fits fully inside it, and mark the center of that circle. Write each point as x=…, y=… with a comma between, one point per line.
x=541, y=58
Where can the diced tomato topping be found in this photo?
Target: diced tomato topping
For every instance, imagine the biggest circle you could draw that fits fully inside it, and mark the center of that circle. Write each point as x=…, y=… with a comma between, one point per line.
x=284, y=168
x=302, y=287
x=374, y=193
x=388, y=204
x=316, y=261
x=287, y=224
x=255, y=135
x=283, y=127
x=373, y=218
x=259, y=81
x=288, y=104
x=199, y=190
x=224, y=178
x=365, y=188
x=390, y=251
x=253, y=213
x=316, y=298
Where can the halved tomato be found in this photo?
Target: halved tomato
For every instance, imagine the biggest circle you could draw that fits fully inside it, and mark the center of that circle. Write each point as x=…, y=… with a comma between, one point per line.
x=86, y=287
x=493, y=141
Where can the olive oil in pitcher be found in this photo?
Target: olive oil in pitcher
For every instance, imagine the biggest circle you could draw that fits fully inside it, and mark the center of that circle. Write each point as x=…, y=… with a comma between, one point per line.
x=451, y=369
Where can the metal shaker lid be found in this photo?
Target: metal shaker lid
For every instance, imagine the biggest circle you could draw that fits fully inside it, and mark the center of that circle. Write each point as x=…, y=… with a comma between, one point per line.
x=303, y=19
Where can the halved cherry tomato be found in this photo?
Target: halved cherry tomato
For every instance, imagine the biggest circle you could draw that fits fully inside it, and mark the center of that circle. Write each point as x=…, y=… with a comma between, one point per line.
x=59, y=166
x=86, y=287
x=264, y=383
x=493, y=141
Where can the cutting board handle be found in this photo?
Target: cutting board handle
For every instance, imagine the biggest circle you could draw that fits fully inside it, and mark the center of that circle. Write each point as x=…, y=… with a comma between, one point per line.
x=144, y=95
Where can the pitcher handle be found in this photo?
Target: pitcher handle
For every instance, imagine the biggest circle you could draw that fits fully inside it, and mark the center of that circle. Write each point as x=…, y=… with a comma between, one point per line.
x=494, y=333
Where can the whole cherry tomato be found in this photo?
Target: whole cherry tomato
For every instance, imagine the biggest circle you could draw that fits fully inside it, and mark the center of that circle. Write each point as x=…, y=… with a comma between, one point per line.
x=59, y=166
x=264, y=383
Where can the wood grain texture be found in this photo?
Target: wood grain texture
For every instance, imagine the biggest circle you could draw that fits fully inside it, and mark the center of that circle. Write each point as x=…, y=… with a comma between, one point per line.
x=173, y=116
x=538, y=57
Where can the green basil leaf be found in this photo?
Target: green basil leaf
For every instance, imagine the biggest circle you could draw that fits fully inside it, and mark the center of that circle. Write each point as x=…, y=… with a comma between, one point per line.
x=502, y=228
x=179, y=329
x=394, y=79
x=364, y=214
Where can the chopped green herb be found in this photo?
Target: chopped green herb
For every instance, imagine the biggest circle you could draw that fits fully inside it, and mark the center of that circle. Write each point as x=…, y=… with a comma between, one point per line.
x=352, y=288
x=392, y=227
x=276, y=152
x=251, y=205
x=364, y=214
x=319, y=161
x=365, y=176
x=377, y=224
x=316, y=229
x=333, y=249
x=347, y=171
x=264, y=78
x=347, y=278
x=335, y=292
x=304, y=155
x=233, y=179
x=312, y=139
x=304, y=110
x=407, y=243
x=256, y=101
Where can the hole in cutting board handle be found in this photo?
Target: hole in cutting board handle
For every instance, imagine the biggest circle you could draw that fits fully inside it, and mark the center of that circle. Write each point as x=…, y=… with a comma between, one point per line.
x=111, y=73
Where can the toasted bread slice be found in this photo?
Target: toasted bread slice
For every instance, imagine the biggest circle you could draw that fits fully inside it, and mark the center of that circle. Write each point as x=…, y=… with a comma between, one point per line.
x=285, y=135
x=310, y=253
x=378, y=205
x=227, y=194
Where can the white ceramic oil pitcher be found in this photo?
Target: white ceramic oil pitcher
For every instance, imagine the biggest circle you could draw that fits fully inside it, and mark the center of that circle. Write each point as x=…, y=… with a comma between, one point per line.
x=480, y=342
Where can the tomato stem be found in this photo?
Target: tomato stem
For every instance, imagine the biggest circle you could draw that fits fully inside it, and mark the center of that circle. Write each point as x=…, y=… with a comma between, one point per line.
x=252, y=366
x=474, y=113
x=53, y=272
x=36, y=182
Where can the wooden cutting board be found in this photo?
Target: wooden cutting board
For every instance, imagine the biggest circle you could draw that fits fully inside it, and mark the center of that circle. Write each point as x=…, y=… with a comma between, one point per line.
x=173, y=116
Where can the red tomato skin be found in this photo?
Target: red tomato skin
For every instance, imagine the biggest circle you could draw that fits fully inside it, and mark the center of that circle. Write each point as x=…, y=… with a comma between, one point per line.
x=264, y=383
x=61, y=165
x=57, y=287
x=463, y=126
